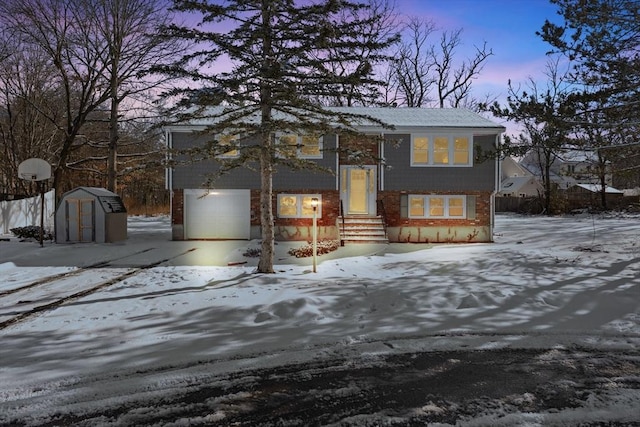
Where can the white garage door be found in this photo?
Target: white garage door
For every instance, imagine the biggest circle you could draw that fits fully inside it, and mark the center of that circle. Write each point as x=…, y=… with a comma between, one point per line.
x=220, y=214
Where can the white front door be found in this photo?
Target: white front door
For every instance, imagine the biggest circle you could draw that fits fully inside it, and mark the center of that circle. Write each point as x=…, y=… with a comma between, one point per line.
x=358, y=190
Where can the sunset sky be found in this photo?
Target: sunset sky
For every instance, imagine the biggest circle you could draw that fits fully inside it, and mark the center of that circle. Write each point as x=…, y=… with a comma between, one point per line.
x=509, y=28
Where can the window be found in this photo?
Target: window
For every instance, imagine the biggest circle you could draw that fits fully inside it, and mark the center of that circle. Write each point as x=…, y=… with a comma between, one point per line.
x=416, y=206
x=287, y=145
x=420, y=150
x=441, y=150
x=423, y=206
x=310, y=147
x=298, y=205
x=302, y=146
x=461, y=150
x=231, y=141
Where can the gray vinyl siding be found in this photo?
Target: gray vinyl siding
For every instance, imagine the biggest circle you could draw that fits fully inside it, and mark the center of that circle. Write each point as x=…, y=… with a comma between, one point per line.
x=194, y=175
x=287, y=179
x=400, y=175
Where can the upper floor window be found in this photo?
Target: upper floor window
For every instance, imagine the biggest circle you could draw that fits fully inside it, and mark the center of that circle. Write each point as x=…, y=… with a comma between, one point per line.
x=301, y=146
x=231, y=141
x=441, y=150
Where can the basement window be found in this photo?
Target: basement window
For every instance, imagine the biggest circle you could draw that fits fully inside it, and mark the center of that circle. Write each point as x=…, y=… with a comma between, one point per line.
x=298, y=205
x=437, y=206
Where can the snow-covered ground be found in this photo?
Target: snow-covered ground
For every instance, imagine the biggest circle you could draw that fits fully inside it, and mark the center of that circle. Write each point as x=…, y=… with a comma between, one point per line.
x=545, y=283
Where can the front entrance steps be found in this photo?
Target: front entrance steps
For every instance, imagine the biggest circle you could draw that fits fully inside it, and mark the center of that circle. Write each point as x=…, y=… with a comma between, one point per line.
x=362, y=229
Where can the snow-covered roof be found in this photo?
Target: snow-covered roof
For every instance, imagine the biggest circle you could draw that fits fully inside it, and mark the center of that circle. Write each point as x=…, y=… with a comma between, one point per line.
x=514, y=183
x=398, y=117
x=562, y=181
x=424, y=117
x=596, y=188
x=577, y=156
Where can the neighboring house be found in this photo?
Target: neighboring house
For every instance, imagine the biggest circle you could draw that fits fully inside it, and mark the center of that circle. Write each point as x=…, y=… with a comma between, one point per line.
x=517, y=181
x=429, y=187
x=570, y=167
x=521, y=186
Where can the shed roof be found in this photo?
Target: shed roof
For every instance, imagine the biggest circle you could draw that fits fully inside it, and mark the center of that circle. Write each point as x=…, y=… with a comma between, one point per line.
x=95, y=191
x=596, y=188
x=109, y=201
x=515, y=183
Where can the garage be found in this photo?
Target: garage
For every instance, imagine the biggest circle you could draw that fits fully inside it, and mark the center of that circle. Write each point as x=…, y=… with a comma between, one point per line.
x=217, y=214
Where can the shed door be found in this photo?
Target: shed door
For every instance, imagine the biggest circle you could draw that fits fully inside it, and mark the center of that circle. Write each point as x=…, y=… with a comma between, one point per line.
x=220, y=214
x=80, y=220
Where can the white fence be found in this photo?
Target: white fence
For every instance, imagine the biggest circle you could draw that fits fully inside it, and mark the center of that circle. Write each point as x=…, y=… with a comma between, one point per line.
x=25, y=212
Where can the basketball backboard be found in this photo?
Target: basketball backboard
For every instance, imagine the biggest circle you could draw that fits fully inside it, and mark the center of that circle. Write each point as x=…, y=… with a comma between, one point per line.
x=34, y=170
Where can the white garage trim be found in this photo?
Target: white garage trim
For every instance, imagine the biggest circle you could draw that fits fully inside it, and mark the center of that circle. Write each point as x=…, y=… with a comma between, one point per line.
x=217, y=214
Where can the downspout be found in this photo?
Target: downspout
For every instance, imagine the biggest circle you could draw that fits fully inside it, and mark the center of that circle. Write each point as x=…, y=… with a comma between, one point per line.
x=338, y=165
x=339, y=226
x=496, y=188
x=381, y=163
x=168, y=176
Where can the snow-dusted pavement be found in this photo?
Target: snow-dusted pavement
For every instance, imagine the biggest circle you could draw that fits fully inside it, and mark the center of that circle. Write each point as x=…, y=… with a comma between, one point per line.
x=546, y=283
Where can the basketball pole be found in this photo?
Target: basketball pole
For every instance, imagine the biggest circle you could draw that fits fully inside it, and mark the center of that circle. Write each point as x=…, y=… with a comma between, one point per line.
x=41, y=185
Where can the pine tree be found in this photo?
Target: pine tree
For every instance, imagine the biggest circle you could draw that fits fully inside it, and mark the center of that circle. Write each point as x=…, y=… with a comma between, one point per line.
x=543, y=113
x=602, y=40
x=282, y=55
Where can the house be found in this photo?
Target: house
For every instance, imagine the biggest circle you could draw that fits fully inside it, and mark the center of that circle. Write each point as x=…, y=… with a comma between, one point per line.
x=517, y=181
x=569, y=167
x=428, y=185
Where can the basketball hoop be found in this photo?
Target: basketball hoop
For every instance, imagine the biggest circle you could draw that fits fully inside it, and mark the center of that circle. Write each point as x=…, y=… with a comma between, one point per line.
x=34, y=170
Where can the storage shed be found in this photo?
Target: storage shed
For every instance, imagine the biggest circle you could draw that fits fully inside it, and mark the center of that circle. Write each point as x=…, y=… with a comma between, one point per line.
x=90, y=214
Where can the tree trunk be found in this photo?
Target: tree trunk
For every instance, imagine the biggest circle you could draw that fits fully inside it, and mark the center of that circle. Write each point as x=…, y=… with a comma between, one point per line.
x=603, y=191
x=547, y=187
x=112, y=156
x=265, y=264
x=544, y=163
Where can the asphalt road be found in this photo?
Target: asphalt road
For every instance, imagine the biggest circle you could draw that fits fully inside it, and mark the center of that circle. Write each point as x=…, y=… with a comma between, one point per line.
x=410, y=389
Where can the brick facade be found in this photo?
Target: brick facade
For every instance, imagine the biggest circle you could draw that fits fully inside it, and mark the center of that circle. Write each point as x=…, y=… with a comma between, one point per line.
x=428, y=230
x=300, y=228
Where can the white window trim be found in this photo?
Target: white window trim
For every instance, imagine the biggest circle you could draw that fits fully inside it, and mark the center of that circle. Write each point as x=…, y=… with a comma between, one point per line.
x=299, y=198
x=299, y=145
x=430, y=150
x=426, y=199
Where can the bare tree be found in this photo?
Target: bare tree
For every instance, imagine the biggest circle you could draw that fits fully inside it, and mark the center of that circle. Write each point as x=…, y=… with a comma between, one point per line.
x=128, y=29
x=28, y=93
x=428, y=74
x=58, y=28
x=99, y=52
x=454, y=83
x=412, y=70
